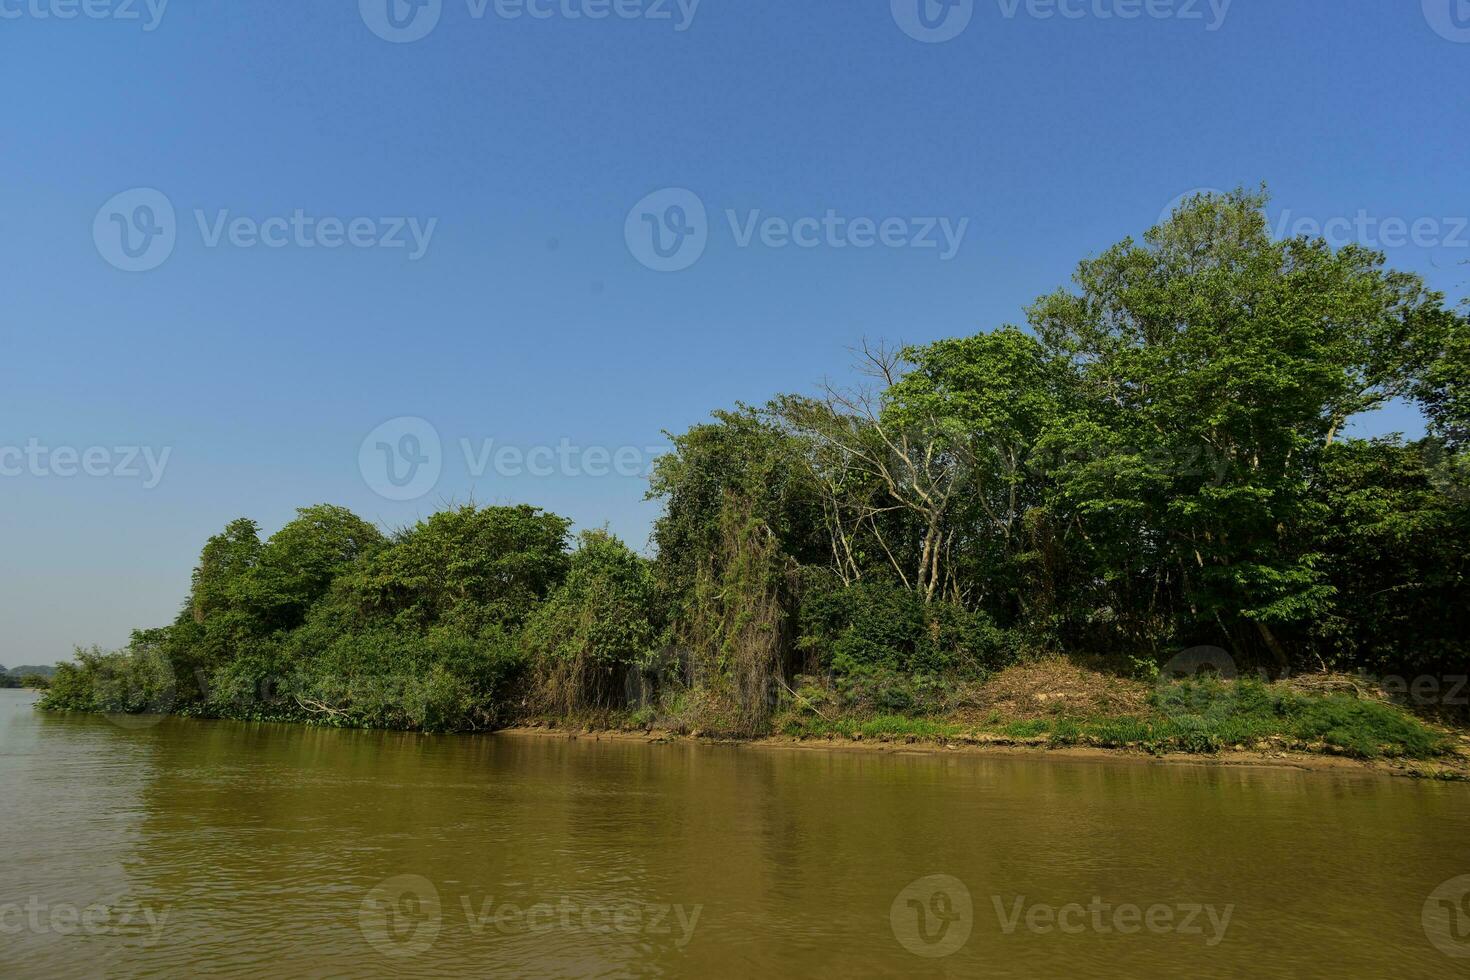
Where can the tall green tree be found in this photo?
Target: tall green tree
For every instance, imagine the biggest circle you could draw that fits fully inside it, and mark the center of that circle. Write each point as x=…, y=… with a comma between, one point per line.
x=298, y=564
x=1217, y=365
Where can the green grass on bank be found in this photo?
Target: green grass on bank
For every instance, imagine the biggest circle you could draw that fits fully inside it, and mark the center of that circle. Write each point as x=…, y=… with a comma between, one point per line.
x=1202, y=716
x=883, y=727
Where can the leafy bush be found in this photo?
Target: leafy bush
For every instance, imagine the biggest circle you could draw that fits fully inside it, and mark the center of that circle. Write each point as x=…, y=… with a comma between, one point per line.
x=470, y=568
x=601, y=623
x=134, y=681
x=1205, y=715
x=868, y=627
x=442, y=681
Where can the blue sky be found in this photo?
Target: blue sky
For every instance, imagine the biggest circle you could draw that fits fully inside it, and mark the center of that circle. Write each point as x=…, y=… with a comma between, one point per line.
x=527, y=312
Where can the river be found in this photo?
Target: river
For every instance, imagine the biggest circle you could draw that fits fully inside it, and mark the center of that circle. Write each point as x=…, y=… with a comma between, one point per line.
x=176, y=847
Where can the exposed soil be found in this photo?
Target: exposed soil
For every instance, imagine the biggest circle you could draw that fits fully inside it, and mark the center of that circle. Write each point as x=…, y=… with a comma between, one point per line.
x=1052, y=687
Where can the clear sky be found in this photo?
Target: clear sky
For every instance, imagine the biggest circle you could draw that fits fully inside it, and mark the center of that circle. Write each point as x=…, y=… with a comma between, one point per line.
x=504, y=282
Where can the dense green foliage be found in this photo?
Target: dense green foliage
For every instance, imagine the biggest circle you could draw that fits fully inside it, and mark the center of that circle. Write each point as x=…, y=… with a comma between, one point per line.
x=331, y=622
x=1160, y=459
x=598, y=629
x=1158, y=462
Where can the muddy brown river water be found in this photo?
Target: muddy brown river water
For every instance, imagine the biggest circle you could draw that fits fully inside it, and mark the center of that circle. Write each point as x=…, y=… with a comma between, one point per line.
x=174, y=847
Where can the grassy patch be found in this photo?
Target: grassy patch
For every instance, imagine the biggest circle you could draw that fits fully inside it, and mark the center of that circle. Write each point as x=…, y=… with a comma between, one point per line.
x=1031, y=728
x=883, y=727
x=1200, y=716
x=1207, y=714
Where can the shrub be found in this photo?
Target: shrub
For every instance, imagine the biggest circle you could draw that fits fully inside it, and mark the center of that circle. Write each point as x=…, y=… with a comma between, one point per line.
x=853, y=630
x=134, y=681
x=599, y=625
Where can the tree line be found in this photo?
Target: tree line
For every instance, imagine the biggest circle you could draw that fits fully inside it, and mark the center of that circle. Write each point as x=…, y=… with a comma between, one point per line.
x=1161, y=457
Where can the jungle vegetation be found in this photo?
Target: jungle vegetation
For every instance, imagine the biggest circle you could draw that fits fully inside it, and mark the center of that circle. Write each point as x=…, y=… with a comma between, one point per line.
x=1161, y=457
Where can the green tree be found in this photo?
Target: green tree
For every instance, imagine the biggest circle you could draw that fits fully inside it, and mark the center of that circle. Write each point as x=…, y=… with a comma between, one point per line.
x=598, y=628
x=297, y=566
x=1397, y=552
x=225, y=561
x=1442, y=388
x=469, y=567
x=1210, y=342
x=743, y=455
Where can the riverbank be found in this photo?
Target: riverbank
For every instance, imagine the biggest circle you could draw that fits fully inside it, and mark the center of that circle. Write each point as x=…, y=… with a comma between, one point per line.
x=1062, y=708
x=1452, y=768
x=1068, y=705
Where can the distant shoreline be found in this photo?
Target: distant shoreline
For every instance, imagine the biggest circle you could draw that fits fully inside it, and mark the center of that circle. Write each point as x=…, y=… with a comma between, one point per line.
x=1453, y=768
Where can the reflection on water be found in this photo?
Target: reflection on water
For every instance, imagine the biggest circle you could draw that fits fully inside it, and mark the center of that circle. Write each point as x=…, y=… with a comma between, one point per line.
x=240, y=849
